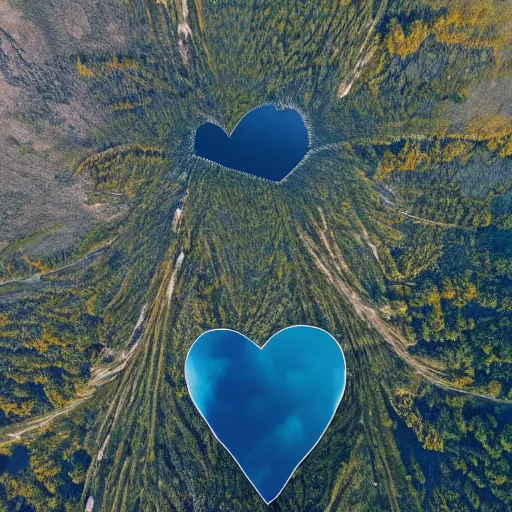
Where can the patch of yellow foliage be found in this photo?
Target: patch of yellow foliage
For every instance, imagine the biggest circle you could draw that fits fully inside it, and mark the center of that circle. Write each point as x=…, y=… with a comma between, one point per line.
x=471, y=292
x=497, y=126
x=44, y=342
x=411, y=156
x=501, y=144
x=482, y=24
x=433, y=441
x=485, y=23
x=403, y=45
x=456, y=149
x=83, y=69
x=462, y=382
x=55, y=398
x=90, y=304
x=39, y=265
x=506, y=148
x=16, y=408
x=124, y=64
x=44, y=469
x=92, y=160
x=494, y=388
x=127, y=105
x=404, y=400
x=17, y=488
x=4, y=319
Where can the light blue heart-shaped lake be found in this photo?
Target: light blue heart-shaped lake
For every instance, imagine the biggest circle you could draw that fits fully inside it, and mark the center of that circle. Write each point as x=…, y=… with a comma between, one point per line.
x=268, y=406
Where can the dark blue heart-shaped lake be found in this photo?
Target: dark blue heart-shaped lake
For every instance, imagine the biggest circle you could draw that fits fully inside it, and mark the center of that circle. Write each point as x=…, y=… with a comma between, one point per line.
x=268, y=406
x=267, y=143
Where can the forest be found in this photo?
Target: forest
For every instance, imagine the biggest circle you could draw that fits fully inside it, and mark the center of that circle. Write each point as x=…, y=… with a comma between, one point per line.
x=394, y=234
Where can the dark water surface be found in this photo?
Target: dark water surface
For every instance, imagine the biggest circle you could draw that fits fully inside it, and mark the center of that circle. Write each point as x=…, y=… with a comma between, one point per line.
x=267, y=143
x=269, y=406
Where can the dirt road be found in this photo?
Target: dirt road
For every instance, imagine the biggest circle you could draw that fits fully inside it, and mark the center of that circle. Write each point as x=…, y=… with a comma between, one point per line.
x=339, y=275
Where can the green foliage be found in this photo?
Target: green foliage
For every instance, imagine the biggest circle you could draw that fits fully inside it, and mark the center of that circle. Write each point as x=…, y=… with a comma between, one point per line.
x=441, y=271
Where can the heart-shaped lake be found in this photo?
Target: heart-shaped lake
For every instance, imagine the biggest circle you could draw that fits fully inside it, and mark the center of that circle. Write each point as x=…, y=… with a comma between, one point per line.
x=267, y=143
x=268, y=406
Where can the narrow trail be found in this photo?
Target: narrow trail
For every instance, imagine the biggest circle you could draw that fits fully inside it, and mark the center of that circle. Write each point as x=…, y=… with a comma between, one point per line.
x=16, y=434
x=135, y=397
x=391, y=202
x=133, y=405
x=339, y=275
x=426, y=221
x=100, y=375
x=87, y=257
x=364, y=56
x=35, y=278
x=405, y=213
x=140, y=342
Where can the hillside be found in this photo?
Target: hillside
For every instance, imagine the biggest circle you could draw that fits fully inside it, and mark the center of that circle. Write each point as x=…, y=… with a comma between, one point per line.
x=118, y=247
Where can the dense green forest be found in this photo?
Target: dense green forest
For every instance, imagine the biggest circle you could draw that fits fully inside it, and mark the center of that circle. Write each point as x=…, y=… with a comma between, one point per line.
x=394, y=234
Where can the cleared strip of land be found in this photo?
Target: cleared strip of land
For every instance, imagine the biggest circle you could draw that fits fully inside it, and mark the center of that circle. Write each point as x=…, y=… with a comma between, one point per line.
x=339, y=275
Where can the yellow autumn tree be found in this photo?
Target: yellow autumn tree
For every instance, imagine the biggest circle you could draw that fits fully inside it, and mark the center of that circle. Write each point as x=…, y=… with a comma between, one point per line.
x=403, y=45
x=83, y=69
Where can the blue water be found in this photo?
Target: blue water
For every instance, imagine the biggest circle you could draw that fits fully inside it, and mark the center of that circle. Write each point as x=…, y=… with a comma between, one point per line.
x=268, y=407
x=267, y=143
